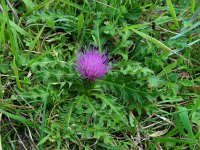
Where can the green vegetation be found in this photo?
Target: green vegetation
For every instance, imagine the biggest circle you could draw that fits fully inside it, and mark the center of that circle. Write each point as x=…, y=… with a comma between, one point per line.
x=148, y=100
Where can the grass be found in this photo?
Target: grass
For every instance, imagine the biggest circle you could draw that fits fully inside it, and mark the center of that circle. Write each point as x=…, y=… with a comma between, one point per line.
x=148, y=100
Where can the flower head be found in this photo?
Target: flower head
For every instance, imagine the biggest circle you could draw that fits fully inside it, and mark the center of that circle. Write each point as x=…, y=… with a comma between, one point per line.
x=92, y=64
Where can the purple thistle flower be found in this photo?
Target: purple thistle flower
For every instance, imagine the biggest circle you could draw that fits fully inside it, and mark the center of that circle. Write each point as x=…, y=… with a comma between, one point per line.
x=92, y=64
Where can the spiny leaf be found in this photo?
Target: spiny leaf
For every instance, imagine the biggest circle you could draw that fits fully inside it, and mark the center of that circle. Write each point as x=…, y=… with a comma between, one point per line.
x=125, y=91
x=109, y=101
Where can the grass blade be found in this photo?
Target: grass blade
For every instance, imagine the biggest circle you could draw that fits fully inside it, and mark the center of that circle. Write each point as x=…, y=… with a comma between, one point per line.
x=185, y=31
x=37, y=7
x=184, y=118
x=107, y=146
x=43, y=125
x=12, y=41
x=18, y=28
x=76, y=6
x=15, y=69
x=1, y=89
x=97, y=38
x=196, y=105
x=172, y=139
x=19, y=118
x=80, y=24
x=3, y=24
x=36, y=39
x=136, y=26
x=36, y=59
x=153, y=40
x=69, y=115
x=167, y=69
x=29, y=4
x=192, y=6
x=43, y=140
x=172, y=11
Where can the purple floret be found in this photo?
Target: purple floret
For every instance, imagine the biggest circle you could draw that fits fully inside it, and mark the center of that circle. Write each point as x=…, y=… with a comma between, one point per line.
x=92, y=64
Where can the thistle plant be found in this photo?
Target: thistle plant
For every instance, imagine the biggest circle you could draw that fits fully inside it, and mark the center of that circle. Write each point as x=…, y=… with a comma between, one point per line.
x=92, y=64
